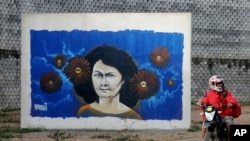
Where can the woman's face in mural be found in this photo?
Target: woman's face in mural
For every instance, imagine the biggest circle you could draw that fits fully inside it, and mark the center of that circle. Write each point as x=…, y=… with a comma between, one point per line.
x=107, y=80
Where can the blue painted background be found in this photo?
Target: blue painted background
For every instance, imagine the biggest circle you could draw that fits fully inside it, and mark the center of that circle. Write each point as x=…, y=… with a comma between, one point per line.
x=165, y=105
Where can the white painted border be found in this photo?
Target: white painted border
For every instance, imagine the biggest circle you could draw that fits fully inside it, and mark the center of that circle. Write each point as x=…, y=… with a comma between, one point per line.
x=159, y=22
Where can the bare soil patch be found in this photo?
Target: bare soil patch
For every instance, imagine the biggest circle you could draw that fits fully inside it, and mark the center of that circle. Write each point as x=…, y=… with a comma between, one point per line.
x=10, y=130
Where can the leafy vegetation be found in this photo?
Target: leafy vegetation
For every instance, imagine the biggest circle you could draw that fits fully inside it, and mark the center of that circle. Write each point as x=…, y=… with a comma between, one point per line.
x=194, y=129
x=12, y=132
x=126, y=138
x=59, y=135
x=101, y=136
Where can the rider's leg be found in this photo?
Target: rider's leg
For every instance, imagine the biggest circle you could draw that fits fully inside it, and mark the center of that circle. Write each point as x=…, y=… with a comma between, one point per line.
x=203, y=131
x=228, y=120
x=228, y=131
x=203, y=128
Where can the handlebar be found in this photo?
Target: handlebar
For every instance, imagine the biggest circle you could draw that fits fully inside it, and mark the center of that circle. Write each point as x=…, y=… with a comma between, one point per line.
x=224, y=106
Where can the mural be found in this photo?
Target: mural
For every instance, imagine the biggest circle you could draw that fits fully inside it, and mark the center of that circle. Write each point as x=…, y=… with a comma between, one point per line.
x=80, y=74
x=73, y=68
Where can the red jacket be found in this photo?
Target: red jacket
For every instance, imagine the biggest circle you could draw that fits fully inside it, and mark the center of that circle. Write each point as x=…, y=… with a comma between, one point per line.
x=219, y=99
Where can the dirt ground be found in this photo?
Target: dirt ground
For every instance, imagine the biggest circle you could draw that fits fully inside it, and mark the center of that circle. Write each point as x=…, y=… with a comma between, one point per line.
x=11, y=121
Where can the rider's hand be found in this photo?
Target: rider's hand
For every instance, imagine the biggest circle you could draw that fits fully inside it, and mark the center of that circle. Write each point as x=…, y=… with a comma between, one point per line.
x=199, y=103
x=229, y=105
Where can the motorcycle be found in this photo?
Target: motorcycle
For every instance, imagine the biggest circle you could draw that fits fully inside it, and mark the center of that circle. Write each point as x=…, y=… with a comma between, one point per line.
x=217, y=130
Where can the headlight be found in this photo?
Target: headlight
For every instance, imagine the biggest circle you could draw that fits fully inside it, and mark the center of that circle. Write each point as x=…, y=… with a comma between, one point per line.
x=210, y=116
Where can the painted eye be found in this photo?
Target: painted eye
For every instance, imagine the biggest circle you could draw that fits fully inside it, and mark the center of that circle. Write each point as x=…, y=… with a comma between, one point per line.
x=97, y=75
x=110, y=75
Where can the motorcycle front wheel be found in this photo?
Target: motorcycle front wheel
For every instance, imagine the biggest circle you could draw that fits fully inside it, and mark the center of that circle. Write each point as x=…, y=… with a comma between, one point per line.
x=210, y=136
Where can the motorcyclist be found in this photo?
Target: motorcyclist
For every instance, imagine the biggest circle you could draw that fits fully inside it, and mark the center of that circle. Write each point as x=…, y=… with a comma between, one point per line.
x=221, y=99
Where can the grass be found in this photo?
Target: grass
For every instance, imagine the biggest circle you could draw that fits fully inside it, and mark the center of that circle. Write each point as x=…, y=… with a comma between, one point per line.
x=126, y=138
x=2, y=114
x=9, y=116
x=119, y=138
x=10, y=110
x=194, y=129
x=59, y=135
x=247, y=103
x=101, y=136
x=12, y=132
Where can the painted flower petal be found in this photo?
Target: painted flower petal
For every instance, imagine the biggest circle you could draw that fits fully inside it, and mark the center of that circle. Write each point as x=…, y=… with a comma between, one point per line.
x=77, y=70
x=145, y=84
x=50, y=82
x=159, y=57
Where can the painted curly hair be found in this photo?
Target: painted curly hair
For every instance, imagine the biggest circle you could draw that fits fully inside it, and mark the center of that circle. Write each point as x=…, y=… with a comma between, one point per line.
x=114, y=57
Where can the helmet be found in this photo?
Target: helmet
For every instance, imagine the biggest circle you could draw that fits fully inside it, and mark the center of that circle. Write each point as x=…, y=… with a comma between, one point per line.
x=216, y=83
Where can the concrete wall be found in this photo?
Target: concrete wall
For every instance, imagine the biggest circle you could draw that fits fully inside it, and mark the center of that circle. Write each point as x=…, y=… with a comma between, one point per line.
x=152, y=97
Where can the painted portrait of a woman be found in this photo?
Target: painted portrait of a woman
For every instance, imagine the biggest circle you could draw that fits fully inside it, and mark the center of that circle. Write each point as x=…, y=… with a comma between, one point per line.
x=107, y=91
